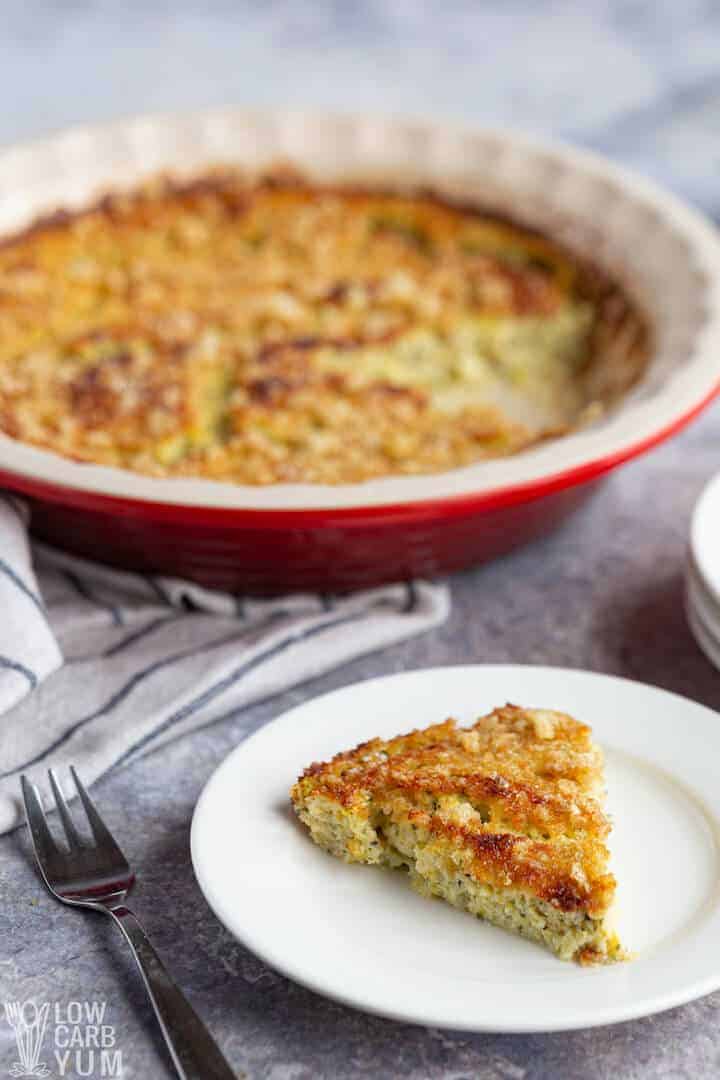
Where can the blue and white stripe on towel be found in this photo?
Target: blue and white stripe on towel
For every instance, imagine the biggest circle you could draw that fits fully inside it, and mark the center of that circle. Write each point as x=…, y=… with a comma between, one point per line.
x=98, y=666
x=29, y=650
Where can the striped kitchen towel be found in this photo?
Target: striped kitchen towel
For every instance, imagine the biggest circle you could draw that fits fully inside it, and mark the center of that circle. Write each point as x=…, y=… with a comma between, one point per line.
x=98, y=665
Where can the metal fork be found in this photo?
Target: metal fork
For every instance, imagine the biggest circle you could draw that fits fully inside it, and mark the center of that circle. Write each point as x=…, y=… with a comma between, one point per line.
x=97, y=875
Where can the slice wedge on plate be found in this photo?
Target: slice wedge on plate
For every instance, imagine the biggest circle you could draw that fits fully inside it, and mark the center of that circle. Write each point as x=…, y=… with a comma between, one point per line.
x=502, y=819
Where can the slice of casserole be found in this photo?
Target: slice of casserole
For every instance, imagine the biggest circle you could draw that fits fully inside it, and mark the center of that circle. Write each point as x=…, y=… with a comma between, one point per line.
x=503, y=819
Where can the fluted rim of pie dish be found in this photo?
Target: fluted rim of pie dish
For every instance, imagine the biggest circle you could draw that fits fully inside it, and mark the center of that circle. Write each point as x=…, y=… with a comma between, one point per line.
x=664, y=254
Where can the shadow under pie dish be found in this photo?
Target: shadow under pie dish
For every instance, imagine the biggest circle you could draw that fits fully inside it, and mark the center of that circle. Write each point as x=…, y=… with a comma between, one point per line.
x=336, y=374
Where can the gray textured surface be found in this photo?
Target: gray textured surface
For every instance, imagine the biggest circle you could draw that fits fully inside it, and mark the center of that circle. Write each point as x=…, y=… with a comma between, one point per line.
x=640, y=80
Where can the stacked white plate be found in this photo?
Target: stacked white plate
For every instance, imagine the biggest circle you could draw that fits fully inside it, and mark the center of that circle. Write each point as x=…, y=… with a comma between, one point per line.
x=702, y=581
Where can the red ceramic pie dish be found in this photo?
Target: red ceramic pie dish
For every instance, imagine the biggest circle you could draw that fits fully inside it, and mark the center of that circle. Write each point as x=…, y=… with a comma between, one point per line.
x=335, y=538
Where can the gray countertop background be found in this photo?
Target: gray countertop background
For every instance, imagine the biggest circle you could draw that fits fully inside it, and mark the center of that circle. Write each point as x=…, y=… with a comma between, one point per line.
x=638, y=80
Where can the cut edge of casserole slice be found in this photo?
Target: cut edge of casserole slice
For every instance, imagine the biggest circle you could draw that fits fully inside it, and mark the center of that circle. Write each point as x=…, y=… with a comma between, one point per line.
x=504, y=820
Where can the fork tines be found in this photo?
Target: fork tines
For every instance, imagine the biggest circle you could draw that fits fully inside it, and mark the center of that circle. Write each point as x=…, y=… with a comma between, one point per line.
x=45, y=845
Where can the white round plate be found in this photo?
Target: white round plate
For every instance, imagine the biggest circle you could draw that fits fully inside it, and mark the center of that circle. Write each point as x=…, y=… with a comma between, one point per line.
x=362, y=936
x=702, y=600
x=703, y=623
x=705, y=539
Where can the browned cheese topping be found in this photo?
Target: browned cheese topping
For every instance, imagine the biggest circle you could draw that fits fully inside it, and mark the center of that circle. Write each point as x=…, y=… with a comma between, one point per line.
x=271, y=331
x=518, y=793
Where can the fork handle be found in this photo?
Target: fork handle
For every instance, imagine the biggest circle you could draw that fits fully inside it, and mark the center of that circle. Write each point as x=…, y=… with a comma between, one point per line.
x=195, y=1053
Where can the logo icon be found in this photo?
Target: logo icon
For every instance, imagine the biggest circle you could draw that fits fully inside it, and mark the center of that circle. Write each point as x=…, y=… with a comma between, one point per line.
x=29, y=1023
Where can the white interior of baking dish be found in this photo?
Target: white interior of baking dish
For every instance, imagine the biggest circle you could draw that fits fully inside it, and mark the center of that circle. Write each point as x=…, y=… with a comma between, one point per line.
x=666, y=255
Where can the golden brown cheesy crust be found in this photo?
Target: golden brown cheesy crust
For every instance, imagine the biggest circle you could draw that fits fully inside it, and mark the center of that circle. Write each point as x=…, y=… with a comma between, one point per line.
x=507, y=810
x=270, y=330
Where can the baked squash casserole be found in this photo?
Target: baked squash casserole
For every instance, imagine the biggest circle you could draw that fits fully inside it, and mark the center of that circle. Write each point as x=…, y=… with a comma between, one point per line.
x=264, y=330
x=503, y=819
